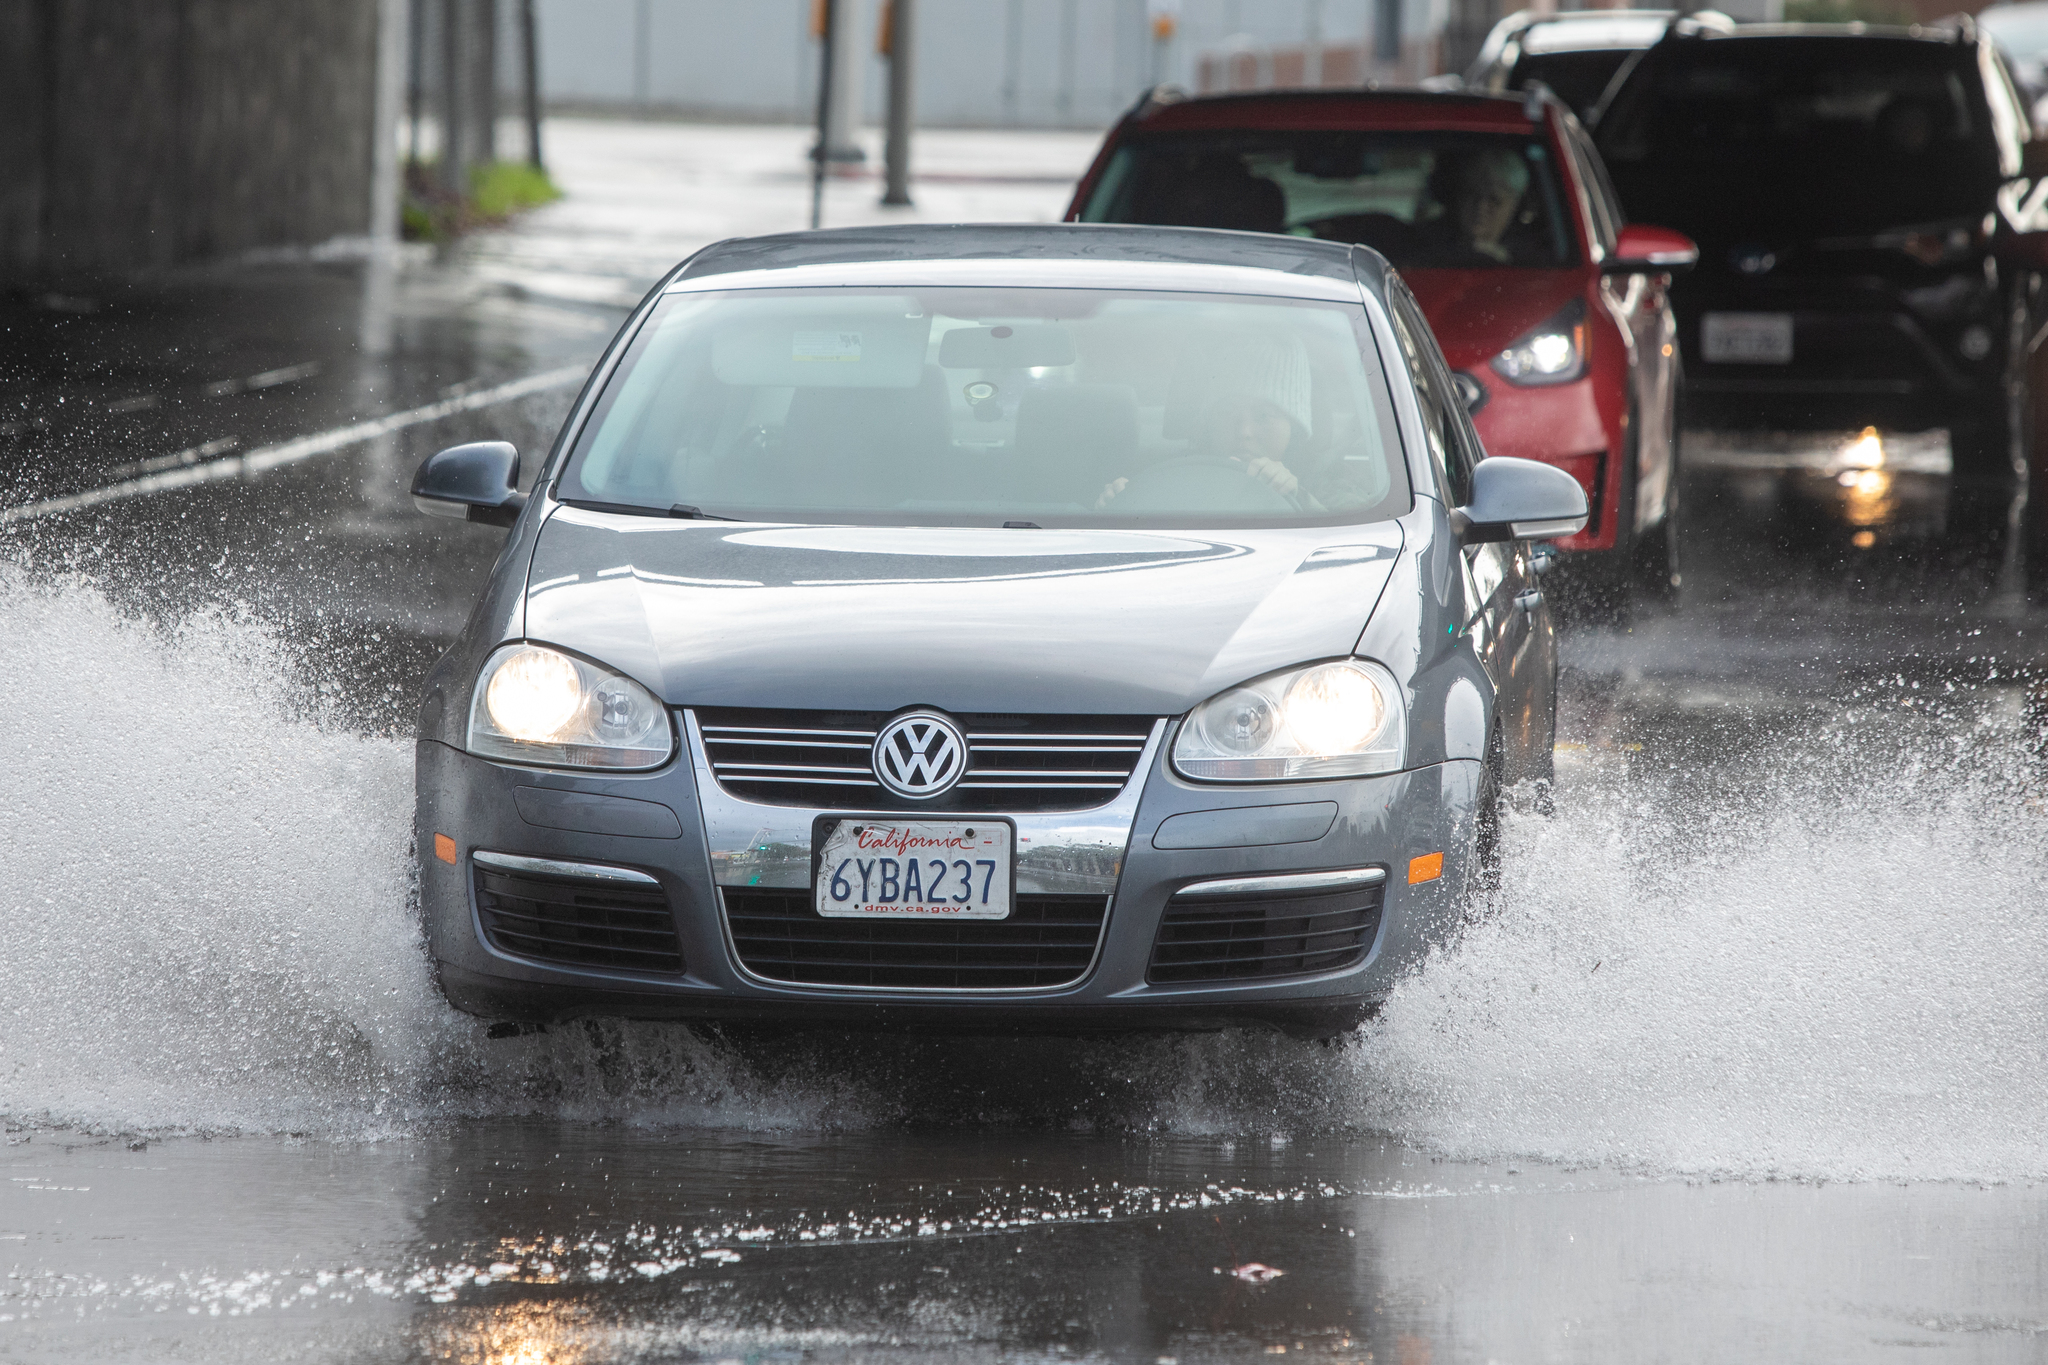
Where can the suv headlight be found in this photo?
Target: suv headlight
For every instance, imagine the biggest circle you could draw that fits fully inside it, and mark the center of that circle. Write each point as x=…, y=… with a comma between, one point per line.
x=1553, y=353
x=538, y=705
x=1342, y=719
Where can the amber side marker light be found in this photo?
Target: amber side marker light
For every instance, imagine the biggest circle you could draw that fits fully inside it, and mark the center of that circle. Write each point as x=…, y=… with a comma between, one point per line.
x=444, y=849
x=1427, y=868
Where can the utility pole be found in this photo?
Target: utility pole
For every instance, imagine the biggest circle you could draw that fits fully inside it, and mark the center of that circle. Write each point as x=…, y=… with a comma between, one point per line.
x=899, y=41
x=828, y=15
x=529, y=42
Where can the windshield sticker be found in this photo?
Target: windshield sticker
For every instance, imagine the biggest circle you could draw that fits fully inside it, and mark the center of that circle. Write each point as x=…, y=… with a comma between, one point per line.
x=829, y=346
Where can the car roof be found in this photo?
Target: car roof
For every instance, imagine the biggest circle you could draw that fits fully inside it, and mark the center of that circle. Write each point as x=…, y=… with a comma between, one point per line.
x=1309, y=110
x=1582, y=30
x=1941, y=34
x=1051, y=255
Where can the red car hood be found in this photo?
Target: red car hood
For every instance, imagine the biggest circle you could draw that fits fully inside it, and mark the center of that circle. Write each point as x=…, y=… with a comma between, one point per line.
x=1477, y=314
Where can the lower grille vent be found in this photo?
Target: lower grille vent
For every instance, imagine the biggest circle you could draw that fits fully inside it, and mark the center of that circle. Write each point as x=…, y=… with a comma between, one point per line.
x=578, y=922
x=1046, y=941
x=1265, y=934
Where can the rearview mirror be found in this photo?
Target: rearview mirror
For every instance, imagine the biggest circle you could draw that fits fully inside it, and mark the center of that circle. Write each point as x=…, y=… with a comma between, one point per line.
x=1520, y=500
x=477, y=482
x=1643, y=250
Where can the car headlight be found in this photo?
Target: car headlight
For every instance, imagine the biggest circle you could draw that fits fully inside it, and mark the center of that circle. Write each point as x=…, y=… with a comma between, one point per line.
x=1554, y=353
x=538, y=705
x=1342, y=719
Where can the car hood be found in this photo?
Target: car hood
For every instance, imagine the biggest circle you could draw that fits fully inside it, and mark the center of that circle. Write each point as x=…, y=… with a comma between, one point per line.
x=1477, y=314
x=967, y=619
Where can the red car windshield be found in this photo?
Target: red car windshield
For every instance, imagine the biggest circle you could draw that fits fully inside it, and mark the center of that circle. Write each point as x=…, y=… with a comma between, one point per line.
x=1423, y=200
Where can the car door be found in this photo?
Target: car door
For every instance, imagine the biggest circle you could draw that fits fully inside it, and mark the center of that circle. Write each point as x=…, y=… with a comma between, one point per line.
x=1497, y=577
x=1640, y=305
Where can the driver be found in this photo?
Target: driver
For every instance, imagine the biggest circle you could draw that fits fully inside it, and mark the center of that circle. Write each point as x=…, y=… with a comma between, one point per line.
x=1260, y=422
x=1481, y=193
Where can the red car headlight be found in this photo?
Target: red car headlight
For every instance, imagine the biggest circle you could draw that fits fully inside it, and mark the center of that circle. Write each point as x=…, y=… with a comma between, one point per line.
x=1552, y=353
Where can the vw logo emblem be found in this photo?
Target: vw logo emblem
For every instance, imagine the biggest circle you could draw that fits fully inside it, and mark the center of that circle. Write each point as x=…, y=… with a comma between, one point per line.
x=920, y=755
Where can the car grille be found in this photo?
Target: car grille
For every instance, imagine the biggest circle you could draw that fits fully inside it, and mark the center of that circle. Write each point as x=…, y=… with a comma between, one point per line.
x=1264, y=935
x=578, y=922
x=1015, y=763
x=1046, y=941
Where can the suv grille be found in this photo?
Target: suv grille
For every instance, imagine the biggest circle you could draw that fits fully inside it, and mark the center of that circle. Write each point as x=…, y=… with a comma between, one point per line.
x=1269, y=934
x=1046, y=941
x=1015, y=763
x=577, y=922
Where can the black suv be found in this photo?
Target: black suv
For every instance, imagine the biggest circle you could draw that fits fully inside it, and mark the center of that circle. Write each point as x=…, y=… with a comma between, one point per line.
x=1862, y=199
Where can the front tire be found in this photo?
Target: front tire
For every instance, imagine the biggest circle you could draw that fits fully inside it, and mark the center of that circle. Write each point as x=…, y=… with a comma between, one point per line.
x=1658, y=576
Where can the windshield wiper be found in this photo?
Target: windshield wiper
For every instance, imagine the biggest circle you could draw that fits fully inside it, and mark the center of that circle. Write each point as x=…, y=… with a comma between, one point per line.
x=633, y=509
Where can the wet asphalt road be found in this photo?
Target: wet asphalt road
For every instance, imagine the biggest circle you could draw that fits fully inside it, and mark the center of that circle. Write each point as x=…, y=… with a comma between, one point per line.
x=1695, y=1156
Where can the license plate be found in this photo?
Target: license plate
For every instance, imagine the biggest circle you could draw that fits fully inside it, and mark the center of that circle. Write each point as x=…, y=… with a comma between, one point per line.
x=1747, y=338
x=914, y=869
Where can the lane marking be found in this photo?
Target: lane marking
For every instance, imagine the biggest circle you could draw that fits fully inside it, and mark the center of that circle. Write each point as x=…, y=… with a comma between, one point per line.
x=266, y=380
x=292, y=452
x=190, y=455
x=149, y=402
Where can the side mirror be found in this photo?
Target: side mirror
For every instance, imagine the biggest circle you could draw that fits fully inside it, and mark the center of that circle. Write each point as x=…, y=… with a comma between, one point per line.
x=476, y=482
x=1643, y=250
x=1520, y=500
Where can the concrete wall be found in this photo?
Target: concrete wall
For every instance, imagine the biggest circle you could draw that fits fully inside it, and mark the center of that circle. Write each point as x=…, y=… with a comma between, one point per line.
x=146, y=133
x=981, y=63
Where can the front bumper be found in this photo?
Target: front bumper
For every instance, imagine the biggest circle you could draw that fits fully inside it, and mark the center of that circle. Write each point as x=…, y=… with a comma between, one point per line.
x=1865, y=352
x=719, y=841
x=1562, y=425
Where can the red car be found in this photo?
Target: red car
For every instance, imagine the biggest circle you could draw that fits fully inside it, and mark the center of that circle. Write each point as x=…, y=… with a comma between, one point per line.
x=1498, y=214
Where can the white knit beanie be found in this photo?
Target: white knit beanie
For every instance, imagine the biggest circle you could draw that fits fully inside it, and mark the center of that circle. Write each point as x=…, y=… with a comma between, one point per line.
x=1275, y=370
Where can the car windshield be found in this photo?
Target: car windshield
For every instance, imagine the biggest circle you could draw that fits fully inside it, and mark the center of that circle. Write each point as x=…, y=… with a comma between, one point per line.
x=1579, y=78
x=1448, y=200
x=964, y=406
x=1812, y=135
x=1608, y=31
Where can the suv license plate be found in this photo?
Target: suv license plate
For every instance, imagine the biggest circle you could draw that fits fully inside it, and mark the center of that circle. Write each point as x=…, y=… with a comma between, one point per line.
x=1746, y=338
x=914, y=869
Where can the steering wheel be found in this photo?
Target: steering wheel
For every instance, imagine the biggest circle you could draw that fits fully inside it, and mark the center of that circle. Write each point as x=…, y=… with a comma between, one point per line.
x=1197, y=484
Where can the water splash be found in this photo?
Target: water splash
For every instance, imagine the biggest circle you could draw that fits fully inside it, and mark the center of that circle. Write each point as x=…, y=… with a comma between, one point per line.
x=1832, y=964
x=1837, y=969
x=210, y=905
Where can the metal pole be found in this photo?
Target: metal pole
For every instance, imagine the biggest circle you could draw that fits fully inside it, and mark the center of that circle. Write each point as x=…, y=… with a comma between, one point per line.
x=1069, y=36
x=374, y=326
x=529, y=38
x=485, y=80
x=643, y=76
x=416, y=57
x=902, y=69
x=452, y=148
x=1013, y=44
x=818, y=153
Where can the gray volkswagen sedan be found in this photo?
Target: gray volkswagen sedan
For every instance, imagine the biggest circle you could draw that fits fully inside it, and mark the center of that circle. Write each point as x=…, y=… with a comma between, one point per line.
x=1062, y=628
